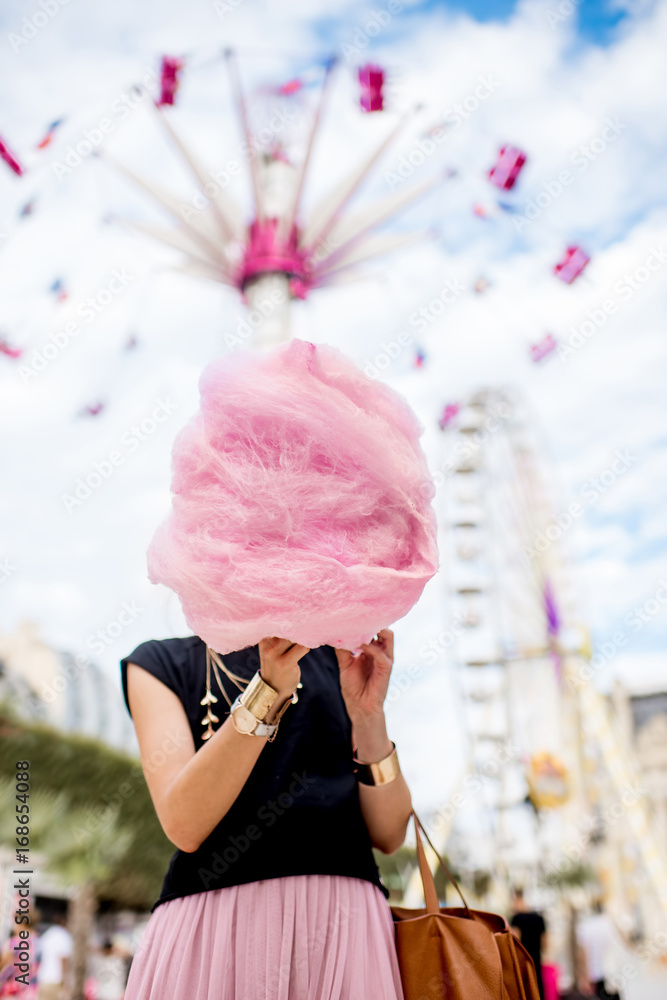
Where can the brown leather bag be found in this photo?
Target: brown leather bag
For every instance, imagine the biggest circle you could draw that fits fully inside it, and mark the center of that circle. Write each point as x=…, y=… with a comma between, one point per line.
x=455, y=953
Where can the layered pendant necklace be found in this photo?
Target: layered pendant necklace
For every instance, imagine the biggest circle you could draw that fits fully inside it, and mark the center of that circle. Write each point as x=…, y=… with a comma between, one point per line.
x=215, y=660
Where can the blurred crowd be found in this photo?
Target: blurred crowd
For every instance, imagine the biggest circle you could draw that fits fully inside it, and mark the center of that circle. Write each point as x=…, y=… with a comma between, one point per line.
x=50, y=947
x=598, y=947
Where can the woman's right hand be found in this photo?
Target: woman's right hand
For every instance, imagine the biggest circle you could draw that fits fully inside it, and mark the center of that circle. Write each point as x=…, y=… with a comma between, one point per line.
x=279, y=664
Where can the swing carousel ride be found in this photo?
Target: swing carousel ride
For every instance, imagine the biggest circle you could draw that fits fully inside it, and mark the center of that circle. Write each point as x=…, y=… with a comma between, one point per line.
x=278, y=255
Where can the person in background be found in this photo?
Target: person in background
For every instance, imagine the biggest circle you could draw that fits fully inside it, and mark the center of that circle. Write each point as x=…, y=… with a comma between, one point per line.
x=110, y=971
x=53, y=975
x=598, y=940
x=530, y=928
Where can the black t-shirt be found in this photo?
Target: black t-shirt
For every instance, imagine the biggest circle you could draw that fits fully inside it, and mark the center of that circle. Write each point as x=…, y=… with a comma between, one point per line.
x=299, y=811
x=531, y=926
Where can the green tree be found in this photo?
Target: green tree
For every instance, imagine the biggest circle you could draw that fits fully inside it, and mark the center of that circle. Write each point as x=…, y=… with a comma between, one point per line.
x=91, y=818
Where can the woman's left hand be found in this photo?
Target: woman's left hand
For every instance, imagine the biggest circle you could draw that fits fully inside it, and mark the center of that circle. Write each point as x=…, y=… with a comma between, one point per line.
x=364, y=681
x=364, y=678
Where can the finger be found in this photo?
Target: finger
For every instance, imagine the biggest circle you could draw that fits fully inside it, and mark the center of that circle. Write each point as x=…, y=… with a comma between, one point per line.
x=345, y=658
x=375, y=652
x=295, y=651
x=301, y=650
x=271, y=642
x=281, y=646
x=387, y=637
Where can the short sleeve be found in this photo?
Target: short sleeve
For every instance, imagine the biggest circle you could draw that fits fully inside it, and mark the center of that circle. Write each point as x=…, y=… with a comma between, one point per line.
x=158, y=659
x=66, y=946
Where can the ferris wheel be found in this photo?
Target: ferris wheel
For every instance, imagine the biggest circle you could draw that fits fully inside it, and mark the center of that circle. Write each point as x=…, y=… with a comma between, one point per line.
x=546, y=764
x=502, y=607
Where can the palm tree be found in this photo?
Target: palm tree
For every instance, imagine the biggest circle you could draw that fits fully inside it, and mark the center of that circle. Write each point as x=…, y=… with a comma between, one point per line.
x=80, y=853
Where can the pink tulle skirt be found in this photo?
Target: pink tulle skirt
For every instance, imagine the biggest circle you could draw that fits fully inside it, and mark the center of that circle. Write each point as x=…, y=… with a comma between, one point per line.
x=303, y=937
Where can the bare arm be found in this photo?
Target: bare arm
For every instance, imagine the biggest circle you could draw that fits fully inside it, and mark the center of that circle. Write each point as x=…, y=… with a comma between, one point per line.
x=385, y=808
x=364, y=683
x=193, y=791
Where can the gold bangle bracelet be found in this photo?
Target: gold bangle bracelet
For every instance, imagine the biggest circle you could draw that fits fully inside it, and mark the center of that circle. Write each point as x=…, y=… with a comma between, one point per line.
x=258, y=697
x=382, y=773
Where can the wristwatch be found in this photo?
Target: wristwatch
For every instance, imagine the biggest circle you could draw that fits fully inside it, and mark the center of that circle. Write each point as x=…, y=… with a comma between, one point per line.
x=245, y=722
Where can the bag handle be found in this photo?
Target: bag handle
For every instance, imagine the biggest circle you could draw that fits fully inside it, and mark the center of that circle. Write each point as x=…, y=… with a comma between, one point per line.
x=430, y=893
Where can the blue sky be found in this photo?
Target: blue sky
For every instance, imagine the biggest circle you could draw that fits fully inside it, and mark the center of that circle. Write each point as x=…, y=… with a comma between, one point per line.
x=596, y=20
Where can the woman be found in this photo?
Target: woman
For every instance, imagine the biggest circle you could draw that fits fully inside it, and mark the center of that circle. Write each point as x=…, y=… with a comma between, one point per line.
x=273, y=891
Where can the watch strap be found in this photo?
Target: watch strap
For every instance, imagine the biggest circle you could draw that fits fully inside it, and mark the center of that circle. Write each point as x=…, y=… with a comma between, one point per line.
x=262, y=728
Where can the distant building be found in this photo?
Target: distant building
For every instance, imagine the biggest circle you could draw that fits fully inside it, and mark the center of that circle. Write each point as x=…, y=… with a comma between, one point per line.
x=642, y=715
x=69, y=692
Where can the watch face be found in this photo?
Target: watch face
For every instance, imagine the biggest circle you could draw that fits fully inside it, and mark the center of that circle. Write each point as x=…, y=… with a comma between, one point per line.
x=244, y=721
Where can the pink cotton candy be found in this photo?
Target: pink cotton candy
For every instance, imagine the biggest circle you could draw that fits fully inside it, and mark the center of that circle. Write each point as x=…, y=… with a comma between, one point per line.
x=301, y=503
